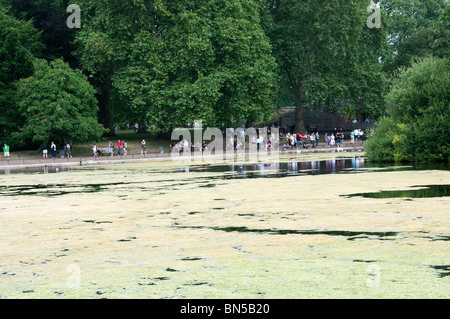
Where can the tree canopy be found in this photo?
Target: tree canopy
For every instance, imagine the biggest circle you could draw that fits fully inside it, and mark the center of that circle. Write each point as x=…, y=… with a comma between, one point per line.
x=173, y=62
x=417, y=125
x=19, y=42
x=326, y=56
x=164, y=64
x=57, y=103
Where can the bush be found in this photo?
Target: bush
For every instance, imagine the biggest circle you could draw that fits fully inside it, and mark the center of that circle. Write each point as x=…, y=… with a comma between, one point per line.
x=417, y=127
x=380, y=141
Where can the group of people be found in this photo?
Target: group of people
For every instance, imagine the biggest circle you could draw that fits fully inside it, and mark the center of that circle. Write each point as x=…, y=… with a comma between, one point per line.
x=65, y=148
x=336, y=138
x=357, y=134
x=263, y=142
x=122, y=147
x=295, y=140
x=183, y=146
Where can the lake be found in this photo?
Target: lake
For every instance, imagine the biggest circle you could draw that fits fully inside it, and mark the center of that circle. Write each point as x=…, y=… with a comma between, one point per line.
x=304, y=226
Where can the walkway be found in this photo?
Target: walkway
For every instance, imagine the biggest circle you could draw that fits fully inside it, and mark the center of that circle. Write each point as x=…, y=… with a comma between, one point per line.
x=154, y=156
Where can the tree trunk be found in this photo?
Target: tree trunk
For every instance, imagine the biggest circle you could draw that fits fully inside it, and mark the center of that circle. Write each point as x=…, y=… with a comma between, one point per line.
x=106, y=111
x=142, y=128
x=299, y=122
x=299, y=101
x=106, y=100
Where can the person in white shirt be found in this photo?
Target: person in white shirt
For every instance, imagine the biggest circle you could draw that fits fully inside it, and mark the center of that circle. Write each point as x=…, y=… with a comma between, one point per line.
x=312, y=139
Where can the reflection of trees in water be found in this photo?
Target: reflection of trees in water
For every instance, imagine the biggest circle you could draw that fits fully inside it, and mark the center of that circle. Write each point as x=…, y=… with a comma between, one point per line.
x=415, y=192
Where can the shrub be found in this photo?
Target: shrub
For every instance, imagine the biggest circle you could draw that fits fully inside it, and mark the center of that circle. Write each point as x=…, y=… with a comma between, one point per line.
x=417, y=127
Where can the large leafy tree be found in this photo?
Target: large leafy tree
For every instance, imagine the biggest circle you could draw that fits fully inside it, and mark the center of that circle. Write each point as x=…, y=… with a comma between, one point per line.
x=418, y=123
x=326, y=56
x=441, y=28
x=102, y=44
x=19, y=43
x=57, y=103
x=415, y=28
x=170, y=62
x=49, y=17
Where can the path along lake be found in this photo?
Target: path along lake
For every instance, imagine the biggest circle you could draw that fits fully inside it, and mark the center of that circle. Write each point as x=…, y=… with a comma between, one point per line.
x=304, y=226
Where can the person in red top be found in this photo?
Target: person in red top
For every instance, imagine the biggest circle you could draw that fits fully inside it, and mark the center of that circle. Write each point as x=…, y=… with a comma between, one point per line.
x=119, y=147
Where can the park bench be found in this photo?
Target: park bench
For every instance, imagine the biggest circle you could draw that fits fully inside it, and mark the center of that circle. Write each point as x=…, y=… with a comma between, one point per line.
x=103, y=151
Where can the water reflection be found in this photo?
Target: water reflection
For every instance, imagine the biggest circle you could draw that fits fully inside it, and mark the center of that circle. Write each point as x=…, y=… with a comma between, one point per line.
x=294, y=167
x=287, y=168
x=46, y=169
x=290, y=167
x=417, y=191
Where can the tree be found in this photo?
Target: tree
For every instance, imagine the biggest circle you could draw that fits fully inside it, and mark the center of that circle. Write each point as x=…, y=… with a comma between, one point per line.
x=418, y=122
x=170, y=62
x=57, y=103
x=441, y=28
x=326, y=55
x=49, y=17
x=19, y=42
x=101, y=44
x=413, y=27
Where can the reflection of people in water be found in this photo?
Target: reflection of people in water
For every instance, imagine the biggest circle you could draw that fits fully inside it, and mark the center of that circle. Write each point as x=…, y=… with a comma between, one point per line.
x=311, y=167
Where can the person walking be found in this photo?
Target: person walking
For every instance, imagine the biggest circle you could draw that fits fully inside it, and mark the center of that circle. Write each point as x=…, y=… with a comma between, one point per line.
x=361, y=135
x=340, y=139
x=312, y=139
x=44, y=150
x=317, y=138
x=6, y=151
x=143, y=147
x=356, y=133
x=53, y=149
x=68, y=150
x=94, y=149
x=119, y=147
x=125, y=146
x=111, y=148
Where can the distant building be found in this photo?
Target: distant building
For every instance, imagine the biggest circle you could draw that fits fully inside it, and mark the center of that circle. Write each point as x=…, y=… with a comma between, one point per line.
x=321, y=121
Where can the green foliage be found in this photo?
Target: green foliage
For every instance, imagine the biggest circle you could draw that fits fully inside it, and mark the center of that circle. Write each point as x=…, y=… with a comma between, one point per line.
x=57, y=103
x=49, y=17
x=19, y=42
x=326, y=54
x=380, y=143
x=415, y=28
x=166, y=63
x=173, y=62
x=419, y=110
